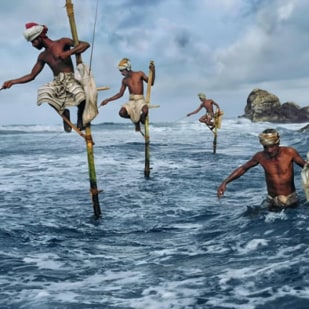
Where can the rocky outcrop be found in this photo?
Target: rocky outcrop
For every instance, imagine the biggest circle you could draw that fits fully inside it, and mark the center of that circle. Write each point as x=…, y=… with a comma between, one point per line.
x=263, y=106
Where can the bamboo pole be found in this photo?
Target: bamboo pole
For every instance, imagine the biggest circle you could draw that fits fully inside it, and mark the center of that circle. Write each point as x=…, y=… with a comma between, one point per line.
x=147, y=135
x=215, y=132
x=217, y=123
x=88, y=137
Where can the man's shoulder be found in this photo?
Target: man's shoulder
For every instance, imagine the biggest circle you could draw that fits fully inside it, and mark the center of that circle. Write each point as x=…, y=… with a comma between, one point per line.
x=288, y=149
x=258, y=155
x=64, y=40
x=137, y=72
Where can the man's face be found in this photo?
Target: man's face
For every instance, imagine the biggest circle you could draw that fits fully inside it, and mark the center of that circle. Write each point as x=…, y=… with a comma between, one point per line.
x=37, y=43
x=271, y=150
x=124, y=72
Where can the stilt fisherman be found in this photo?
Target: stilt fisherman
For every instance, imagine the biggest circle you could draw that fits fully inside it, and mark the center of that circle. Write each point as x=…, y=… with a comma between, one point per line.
x=64, y=91
x=136, y=109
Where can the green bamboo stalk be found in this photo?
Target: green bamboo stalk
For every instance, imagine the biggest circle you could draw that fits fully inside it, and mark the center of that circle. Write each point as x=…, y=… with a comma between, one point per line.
x=147, y=134
x=89, y=141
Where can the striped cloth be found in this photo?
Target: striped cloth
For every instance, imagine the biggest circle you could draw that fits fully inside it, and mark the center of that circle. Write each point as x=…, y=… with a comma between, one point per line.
x=62, y=92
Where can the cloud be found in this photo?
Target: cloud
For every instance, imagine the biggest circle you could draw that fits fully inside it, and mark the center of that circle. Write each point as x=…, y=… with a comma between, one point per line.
x=224, y=48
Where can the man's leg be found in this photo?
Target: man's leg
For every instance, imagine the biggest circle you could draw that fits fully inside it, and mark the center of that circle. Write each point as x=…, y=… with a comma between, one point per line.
x=80, y=111
x=66, y=113
x=67, y=128
x=144, y=114
x=123, y=113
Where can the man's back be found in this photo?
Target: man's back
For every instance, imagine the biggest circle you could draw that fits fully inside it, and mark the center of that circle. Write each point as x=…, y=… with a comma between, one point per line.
x=55, y=55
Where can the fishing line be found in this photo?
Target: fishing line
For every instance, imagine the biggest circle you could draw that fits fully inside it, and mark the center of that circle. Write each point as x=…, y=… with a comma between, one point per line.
x=54, y=136
x=93, y=34
x=180, y=118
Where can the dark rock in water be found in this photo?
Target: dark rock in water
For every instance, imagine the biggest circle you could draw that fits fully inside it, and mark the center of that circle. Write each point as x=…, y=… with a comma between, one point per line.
x=263, y=106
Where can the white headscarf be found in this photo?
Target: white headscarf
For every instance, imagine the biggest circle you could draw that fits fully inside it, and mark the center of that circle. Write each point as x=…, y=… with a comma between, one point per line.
x=32, y=31
x=269, y=138
x=202, y=95
x=124, y=64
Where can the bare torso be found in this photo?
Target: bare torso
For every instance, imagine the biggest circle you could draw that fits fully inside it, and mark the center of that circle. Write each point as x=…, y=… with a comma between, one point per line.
x=279, y=171
x=53, y=55
x=208, y=105
x=135, y=82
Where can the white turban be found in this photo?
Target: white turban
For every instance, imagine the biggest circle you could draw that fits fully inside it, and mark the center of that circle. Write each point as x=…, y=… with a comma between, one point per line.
x=269, y=138
x=32, y=31
x=124, y=64
x=202, y=96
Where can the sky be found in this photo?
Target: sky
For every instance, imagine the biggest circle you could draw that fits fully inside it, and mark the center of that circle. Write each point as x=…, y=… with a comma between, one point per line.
x=223, y=48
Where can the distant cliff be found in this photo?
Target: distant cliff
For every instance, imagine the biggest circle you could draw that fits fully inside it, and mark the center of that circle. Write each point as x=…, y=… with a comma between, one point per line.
x=263, y=106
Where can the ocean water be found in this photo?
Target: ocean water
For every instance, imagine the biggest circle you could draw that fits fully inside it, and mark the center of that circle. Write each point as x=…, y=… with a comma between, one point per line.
x=163, y=242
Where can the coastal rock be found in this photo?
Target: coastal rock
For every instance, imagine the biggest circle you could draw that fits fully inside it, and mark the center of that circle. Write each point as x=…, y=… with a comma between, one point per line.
x=263, y=106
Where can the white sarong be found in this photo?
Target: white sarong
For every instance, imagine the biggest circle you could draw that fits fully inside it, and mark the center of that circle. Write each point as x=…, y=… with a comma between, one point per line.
x=134, y=106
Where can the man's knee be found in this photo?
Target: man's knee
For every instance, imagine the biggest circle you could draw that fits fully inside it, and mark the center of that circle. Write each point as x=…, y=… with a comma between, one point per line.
x=145, y=109
x=123, y=113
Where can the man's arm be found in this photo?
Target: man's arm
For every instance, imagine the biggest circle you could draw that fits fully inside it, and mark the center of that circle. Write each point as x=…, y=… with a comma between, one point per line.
x=145, y=78
x=116, y=96
x=153, y=69
x=216, y=104
x=236, y=174
x=297, y=158
x=71, y=49
x=196, y=111
x=26, y=78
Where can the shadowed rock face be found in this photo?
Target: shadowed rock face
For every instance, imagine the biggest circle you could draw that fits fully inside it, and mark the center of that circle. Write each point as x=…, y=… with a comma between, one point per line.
x=263, y=106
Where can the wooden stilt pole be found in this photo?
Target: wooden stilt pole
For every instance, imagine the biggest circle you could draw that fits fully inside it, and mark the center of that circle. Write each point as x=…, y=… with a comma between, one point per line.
x=88, y=137
x=147, y=135
x=215, y=132
x=217, y=123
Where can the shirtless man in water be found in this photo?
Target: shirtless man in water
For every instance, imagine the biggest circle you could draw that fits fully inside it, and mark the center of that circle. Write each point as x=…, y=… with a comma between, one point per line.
x=208, y=104
x=136, y=108
x=277, y=162
x=64, y=90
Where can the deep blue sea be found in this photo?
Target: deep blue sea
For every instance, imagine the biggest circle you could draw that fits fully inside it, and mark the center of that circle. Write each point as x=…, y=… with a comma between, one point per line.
x=165, y=242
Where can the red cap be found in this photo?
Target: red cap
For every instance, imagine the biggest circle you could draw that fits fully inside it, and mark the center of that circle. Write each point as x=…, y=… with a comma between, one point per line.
x=30, y=25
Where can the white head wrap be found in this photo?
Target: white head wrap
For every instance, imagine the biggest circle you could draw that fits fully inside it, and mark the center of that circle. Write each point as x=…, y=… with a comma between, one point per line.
x=32, y=31
x=202, y=95
x=124, y=64
x=269, y=137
